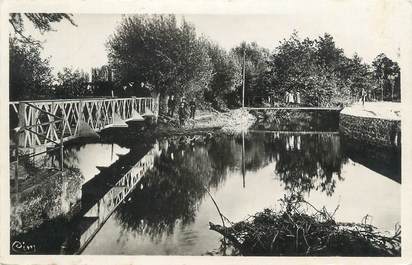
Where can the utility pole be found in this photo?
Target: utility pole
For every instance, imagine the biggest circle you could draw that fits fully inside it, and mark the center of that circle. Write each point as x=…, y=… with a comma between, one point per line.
x=243, y=159
x=243, y=79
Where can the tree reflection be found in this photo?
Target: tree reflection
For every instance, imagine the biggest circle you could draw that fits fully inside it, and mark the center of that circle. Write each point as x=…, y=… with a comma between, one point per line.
x=304, y=161
x=309, y=162
x=171, y=192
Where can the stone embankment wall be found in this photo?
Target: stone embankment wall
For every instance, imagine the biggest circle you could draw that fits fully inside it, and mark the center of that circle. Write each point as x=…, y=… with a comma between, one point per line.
x=372, y=130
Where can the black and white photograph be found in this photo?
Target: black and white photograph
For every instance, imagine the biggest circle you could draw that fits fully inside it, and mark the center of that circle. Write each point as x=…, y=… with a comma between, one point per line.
x=145, y=133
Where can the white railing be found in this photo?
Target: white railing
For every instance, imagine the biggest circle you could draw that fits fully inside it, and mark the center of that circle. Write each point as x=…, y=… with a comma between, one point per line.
x=97, y=113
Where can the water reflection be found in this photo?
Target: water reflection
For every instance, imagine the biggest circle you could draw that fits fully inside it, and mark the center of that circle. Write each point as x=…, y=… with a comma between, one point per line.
x=312, y=163
x=175, y=187
x=157, y=190
x=385, y=161
x=103, y=194
x=175, y=220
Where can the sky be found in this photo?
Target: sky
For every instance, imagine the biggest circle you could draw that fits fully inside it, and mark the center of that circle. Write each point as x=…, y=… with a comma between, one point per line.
x=364, y=29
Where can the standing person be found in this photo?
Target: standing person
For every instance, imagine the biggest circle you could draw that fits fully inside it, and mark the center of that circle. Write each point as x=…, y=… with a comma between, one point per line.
x=182, y=113
x=363, y=95
x=183, y=100
x=290, y=100
x=297, y=97
x=192, y=106
x=287, y=97
x=171, y=104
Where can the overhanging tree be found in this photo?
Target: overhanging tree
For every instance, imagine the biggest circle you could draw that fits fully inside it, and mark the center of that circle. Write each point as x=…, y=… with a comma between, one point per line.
x=41, y=21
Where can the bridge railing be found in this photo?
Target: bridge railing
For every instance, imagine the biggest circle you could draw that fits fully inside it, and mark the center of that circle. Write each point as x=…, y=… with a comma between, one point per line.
x=97, y=113
x=111, y=199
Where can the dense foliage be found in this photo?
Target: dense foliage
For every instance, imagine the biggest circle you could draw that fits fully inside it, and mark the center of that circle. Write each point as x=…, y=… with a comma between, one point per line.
x=72, y=84
x=226, y=76
x=318, y=70
x=30, y=74
x=254, y=59
x=387, y=74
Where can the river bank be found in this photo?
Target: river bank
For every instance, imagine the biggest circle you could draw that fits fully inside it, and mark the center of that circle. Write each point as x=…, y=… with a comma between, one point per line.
x=231, y=122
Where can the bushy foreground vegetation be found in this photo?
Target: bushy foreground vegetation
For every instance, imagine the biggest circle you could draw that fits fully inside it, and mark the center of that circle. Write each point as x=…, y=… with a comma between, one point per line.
x=299, y=229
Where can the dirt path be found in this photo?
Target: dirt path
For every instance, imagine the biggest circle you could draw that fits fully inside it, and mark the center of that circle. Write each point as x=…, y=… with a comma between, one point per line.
x=379, y=110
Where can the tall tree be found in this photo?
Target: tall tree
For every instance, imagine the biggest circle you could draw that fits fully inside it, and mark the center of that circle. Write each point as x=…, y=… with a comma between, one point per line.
x=154, y=49
x=226, y=76
x=256, y=58
x=387, y=72
x=326, y=53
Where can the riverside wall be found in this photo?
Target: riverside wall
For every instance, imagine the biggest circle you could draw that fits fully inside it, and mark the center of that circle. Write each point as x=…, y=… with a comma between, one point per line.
x=380, y=131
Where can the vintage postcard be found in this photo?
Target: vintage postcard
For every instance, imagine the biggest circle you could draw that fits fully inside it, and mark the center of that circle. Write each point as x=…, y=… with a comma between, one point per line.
x=252, y=132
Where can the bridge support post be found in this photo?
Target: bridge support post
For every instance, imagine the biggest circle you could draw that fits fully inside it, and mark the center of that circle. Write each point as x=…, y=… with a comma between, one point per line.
x=113, y=103
x=81, y=112
x=22, y=123
x=51, y=119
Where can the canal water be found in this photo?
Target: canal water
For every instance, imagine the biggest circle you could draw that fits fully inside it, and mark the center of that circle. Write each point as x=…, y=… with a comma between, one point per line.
x=150, y=198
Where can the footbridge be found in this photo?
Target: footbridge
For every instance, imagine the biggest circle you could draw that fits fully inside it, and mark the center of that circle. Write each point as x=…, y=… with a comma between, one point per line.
x=42, y=126
x=48, y=122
